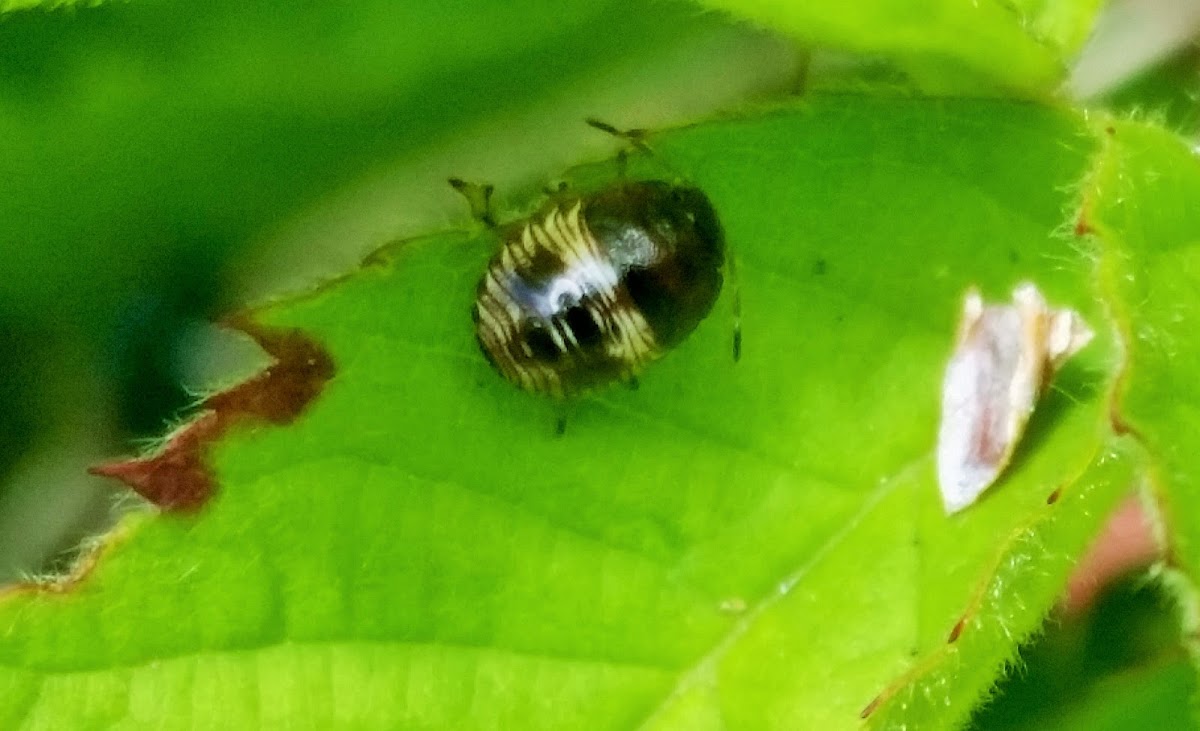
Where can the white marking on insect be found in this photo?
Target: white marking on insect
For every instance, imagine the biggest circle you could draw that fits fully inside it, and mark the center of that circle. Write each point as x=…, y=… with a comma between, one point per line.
x=586, y=274
x=1004, y=357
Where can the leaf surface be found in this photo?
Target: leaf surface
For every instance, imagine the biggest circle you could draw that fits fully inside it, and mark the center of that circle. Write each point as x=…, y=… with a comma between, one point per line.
x=749, y=545
x=1022, y=45
x=1141, y=202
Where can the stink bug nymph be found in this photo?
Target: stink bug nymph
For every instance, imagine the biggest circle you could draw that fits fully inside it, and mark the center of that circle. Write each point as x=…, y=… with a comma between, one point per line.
x=593, y=288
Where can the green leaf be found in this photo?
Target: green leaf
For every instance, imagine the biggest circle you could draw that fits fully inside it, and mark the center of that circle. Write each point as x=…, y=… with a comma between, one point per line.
x=1150, y=697
x=750, y=545
x=1154, y=698
x=7, y=6
x=1141, y=202
x=1022, y=46
x=1120, y=666
x=1063, y=25
x=1168, y=92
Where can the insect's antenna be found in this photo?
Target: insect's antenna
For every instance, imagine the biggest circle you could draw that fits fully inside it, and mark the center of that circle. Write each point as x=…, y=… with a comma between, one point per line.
x=636, y=139
x=479, y=198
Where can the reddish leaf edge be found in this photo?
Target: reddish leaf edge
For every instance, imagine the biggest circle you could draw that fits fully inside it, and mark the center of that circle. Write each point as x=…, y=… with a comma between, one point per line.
x=176, y=477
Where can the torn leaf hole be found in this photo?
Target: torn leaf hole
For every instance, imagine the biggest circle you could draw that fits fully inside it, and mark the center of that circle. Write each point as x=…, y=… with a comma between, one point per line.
x=177, y=477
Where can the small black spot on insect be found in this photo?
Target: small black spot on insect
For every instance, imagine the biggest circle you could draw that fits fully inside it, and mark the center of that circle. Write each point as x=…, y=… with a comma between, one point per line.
x=819, y=266
x=593, y=288
x=541, y=344
x=584, y=328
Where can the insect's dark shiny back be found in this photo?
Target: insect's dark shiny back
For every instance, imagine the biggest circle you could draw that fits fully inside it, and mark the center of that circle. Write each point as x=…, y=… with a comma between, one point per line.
x=591, y=290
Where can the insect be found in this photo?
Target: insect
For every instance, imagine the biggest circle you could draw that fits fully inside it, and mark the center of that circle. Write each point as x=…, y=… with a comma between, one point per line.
x=593, y=288
x=1002, y=363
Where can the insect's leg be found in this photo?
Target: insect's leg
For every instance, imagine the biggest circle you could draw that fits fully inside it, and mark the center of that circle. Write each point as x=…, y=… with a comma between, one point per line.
x=736, y=284
x=635, y=137
x=564, y=410
x=479, y=198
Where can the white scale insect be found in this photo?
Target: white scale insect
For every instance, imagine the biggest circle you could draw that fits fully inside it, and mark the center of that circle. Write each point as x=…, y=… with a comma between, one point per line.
x=1004, y=358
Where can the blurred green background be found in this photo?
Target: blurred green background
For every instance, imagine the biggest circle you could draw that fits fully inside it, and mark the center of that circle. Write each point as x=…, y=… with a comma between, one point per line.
x=164, y=163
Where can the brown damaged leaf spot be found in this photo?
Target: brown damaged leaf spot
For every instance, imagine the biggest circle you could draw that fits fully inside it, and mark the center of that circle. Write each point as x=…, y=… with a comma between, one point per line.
x=282, y=391
x=1120, y=426
x=870, y=707
x=176, y=477
x=1083, y=224
x=957, y=630
x=1083, y=227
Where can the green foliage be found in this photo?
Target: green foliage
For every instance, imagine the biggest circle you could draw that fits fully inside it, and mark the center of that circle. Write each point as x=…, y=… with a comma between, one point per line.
x=1141, y=199
x=1019, y=46
x=1168, y=93
x=11, y=5
x=1116, y=667
x=756, y=545
x=760, y=543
